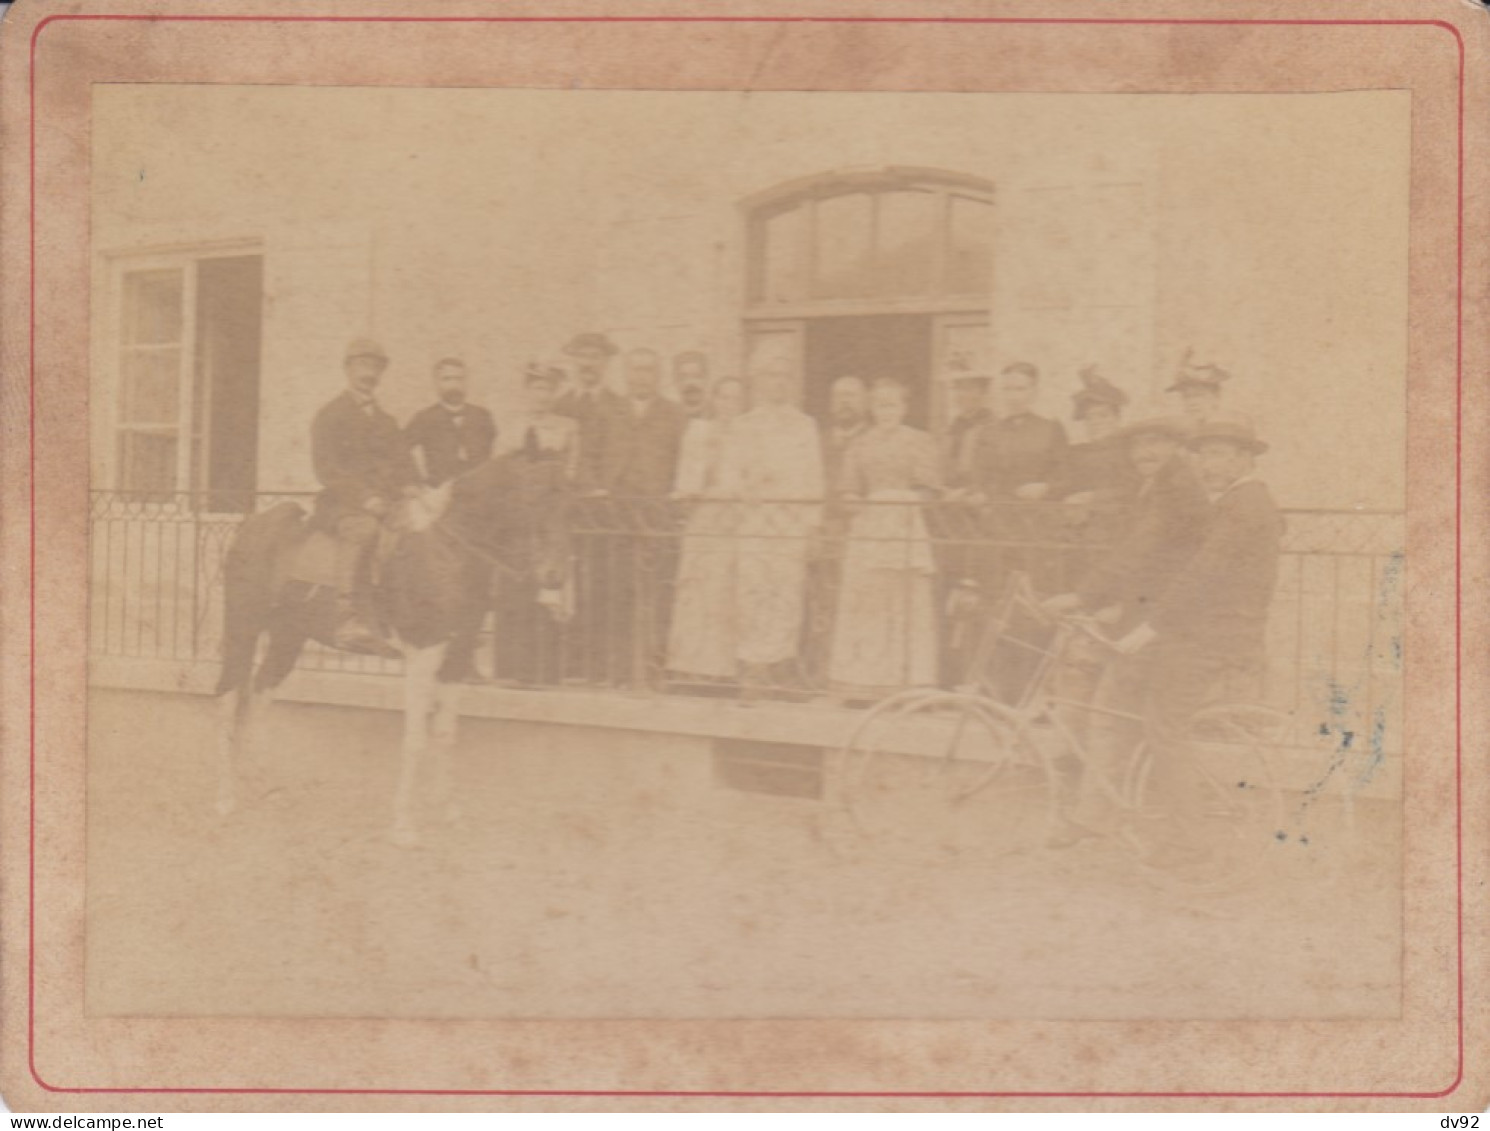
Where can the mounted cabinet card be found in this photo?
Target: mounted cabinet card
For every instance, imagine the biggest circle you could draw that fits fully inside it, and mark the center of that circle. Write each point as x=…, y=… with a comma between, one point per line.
x=567, y=556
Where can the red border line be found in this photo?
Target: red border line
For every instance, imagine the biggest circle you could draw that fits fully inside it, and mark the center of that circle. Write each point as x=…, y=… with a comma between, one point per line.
x=1458, y=561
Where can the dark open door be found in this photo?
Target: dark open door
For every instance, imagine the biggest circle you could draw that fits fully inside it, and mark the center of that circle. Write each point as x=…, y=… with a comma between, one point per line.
x=870, y=347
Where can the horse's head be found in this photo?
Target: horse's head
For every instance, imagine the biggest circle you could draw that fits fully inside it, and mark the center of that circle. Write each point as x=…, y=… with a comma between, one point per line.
x=421, y=511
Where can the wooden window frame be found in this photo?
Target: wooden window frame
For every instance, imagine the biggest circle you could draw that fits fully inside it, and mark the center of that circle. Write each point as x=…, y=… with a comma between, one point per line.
x=808, y=193
x=193, y=407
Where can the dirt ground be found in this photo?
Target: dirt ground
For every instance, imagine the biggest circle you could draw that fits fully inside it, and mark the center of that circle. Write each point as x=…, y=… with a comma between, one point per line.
x=606, y=874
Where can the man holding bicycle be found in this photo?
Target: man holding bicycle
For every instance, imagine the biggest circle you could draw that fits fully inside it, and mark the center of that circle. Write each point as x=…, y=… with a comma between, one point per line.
x=1200, y=638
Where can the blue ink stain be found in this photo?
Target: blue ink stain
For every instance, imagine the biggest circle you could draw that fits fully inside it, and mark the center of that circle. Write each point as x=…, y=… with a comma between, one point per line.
x=1378, y=747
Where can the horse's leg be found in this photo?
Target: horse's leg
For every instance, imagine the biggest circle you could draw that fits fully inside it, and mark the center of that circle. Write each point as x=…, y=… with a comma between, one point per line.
x=285, y=640
x=444, y=723
x=245, y=616
x=229, y=733
x=420, y=666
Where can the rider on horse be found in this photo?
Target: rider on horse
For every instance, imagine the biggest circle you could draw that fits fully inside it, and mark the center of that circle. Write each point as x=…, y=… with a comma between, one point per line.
x=362, y=460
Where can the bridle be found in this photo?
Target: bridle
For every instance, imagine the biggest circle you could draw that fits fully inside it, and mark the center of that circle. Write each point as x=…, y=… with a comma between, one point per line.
x=442, y=526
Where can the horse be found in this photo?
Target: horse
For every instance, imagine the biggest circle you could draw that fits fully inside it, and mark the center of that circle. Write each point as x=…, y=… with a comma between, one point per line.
x=436, y=562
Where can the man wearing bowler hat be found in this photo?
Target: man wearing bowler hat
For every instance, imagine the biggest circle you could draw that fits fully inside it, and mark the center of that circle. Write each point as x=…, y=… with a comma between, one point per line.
x=1216, y=608
x=1161, y=534
x=1163, y=530
x=1203, y=638
x=643, y=438
x=364, y=466
x=590, y=402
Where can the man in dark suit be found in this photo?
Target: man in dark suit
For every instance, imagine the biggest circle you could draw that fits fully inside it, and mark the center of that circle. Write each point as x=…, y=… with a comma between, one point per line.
x=1216, y=609
x=1021, y=454
x=1160, y=535
x=451, y=436
x=588, y=402
x=642, y=434
x=364, y=465
x=1017, y=458
x=1203, y=638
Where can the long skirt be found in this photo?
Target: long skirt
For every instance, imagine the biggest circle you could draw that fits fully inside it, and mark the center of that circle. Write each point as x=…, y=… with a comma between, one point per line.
x=702, y=639
x=772, y=580
x=884, y=636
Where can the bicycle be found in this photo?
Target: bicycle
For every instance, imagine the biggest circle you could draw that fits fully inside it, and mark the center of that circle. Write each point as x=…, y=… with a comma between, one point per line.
x=911, y=769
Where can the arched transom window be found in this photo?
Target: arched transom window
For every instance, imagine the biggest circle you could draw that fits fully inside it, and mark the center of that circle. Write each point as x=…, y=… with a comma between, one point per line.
x=868, y=238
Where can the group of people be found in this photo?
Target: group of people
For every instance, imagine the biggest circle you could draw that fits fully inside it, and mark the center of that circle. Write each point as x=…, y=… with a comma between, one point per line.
x=726, y=540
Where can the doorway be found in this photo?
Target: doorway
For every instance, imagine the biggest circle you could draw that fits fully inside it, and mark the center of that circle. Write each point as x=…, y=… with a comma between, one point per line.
x=871, y=347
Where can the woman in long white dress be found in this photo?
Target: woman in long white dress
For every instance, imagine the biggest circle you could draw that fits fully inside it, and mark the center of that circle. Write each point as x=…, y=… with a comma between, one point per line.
x=781, y=487
x=702, y=638
x=884, y=636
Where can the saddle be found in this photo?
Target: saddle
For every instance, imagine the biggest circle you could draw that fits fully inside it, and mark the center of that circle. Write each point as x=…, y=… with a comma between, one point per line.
x=313, y=560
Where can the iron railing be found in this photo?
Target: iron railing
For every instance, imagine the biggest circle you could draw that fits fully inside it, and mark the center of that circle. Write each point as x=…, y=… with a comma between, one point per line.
x=788, y=598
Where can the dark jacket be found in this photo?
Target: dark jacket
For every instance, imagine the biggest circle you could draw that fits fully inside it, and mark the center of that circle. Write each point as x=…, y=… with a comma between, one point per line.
x=1100, y=466
x=1160, y=535
x=1015, y=450
x=641, y=449
x=359, y=453
x=590, y=410
x=451, y=442
x=1219, y=602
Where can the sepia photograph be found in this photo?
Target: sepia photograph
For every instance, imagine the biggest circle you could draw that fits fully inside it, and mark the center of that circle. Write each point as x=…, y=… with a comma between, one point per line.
x=566, y=558
x=716, y=554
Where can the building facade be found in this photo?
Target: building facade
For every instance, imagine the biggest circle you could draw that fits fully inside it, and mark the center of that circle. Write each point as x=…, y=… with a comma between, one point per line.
x=244, y=234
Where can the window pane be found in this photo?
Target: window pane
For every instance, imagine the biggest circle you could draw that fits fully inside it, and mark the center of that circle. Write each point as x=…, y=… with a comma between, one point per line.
x=844, y=246
x=147, y=462
x=906, y=231
x=970, y=246
x=152, y=307
x=781, y=267
x=152, y=386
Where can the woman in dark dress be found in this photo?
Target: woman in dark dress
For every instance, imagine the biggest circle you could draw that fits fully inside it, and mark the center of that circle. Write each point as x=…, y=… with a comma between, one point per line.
x=1098, y=479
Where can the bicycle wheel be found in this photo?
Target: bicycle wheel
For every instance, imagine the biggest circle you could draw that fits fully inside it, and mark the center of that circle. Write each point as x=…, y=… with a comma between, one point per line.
x=944, y=772
x=1234, y=746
